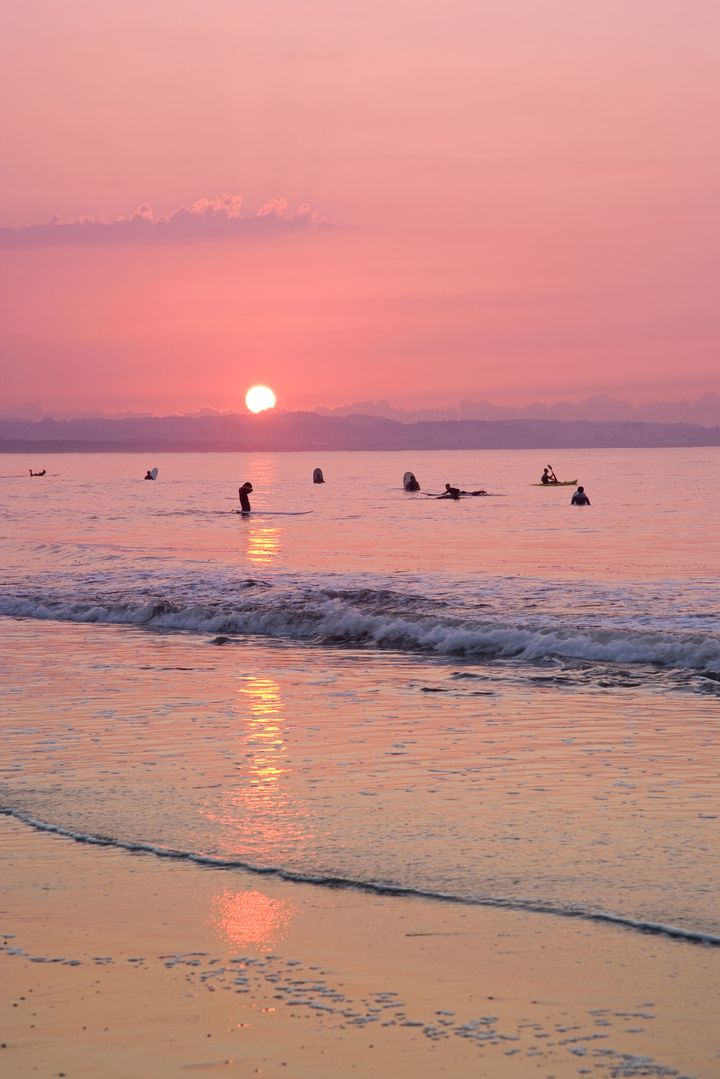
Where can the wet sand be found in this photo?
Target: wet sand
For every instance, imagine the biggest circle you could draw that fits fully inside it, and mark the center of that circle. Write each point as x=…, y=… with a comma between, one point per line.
x=123, y=965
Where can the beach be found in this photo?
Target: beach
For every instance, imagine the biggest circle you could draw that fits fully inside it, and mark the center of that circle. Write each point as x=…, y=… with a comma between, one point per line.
x=364, y=791
x=180, y=971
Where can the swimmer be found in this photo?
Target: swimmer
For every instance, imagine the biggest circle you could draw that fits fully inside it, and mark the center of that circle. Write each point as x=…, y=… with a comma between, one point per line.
x=243, y=493
x=580, y=498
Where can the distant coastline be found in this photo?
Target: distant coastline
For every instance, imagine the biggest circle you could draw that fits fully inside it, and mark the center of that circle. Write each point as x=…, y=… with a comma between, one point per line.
x=308, y=431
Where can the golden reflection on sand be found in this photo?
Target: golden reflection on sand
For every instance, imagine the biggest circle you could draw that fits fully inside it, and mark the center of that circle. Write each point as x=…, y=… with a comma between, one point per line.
x=251, y=917
x=259, y=819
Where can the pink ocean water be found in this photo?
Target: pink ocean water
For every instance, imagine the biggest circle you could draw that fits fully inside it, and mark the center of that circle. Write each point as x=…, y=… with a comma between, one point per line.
x=503, y=700
x=653, y=511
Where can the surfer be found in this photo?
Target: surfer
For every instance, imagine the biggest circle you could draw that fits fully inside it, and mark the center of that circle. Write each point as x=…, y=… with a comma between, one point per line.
x=410, y=483
x=451, y=492
x=549, y=476
x=243, y=493
x=149, y=475
x=37, y=473
x=580, y=498
x=318, y=476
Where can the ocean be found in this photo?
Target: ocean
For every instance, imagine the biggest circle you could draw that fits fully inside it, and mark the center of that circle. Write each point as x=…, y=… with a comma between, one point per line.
x=504, y=701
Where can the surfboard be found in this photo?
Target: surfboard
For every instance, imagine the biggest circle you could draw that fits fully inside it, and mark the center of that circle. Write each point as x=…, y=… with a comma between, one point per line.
x=273, y=513
x=560, y=483
x=154, y=473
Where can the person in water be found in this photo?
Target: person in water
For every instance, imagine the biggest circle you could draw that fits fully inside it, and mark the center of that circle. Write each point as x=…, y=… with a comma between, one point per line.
x=455, y=493
x=410, y=482
x=318, y=476
x=37, y=473
x=149, y=475
x=243, y=493
x=579, y=498
x=549, y=476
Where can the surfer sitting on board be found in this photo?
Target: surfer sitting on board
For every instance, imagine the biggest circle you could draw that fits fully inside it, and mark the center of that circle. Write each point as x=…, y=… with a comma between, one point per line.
x=549, y=476
x=37, y=473
x=243, y=493
x=580, y=498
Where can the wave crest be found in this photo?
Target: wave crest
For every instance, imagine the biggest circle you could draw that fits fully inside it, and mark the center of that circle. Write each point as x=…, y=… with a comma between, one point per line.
x=382, y=617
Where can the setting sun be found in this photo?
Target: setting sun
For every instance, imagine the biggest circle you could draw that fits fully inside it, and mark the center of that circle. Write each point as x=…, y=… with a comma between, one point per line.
x=260, y=398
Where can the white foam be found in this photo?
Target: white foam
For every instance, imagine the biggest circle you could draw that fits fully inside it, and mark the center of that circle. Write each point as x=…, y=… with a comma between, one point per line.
x=410, y=621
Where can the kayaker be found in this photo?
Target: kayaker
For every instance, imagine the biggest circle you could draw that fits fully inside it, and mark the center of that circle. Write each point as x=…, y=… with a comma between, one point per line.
x=549, y=476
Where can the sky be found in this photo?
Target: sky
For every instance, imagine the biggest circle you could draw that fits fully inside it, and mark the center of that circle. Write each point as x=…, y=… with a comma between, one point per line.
x=416, y=201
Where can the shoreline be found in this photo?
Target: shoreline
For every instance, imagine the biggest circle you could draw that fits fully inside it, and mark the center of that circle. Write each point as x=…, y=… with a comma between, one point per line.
x=135, y=966
x=343, y=884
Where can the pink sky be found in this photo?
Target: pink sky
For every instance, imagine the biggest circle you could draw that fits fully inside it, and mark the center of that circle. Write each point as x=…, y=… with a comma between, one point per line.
x=507, y=201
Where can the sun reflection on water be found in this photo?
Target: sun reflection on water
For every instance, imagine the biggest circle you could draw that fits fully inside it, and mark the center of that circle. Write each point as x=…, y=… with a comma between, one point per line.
x=263, y=545
x=259, y=817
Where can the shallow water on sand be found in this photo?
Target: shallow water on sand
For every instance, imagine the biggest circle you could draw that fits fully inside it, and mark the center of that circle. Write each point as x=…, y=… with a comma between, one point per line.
x=377, y=769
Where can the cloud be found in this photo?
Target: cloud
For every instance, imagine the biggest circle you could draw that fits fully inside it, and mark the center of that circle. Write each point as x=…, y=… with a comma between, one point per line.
x=207, y=219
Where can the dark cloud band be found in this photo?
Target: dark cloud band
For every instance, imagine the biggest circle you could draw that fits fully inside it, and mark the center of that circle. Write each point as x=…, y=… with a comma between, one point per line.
x=206, y=220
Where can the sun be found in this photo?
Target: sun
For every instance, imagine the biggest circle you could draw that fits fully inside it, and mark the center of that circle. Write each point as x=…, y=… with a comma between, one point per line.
x=260, y=398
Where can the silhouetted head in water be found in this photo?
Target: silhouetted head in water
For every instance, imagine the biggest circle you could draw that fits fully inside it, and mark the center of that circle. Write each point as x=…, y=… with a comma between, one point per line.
x=243, y=493
x=580, y=498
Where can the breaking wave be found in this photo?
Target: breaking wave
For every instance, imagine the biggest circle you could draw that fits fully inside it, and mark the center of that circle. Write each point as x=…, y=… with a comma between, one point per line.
x=504, y=620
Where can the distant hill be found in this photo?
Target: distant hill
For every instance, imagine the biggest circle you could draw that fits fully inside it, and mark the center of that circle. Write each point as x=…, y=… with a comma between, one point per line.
x=298, y=431
x=703, y=410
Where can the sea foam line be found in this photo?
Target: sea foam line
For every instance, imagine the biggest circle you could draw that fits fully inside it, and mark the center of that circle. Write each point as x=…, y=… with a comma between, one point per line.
x=621, y=921
x=324, y=620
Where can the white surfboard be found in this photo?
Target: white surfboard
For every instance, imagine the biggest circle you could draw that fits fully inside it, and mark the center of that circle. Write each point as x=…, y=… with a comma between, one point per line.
x=154, y=473
x=273, y=513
